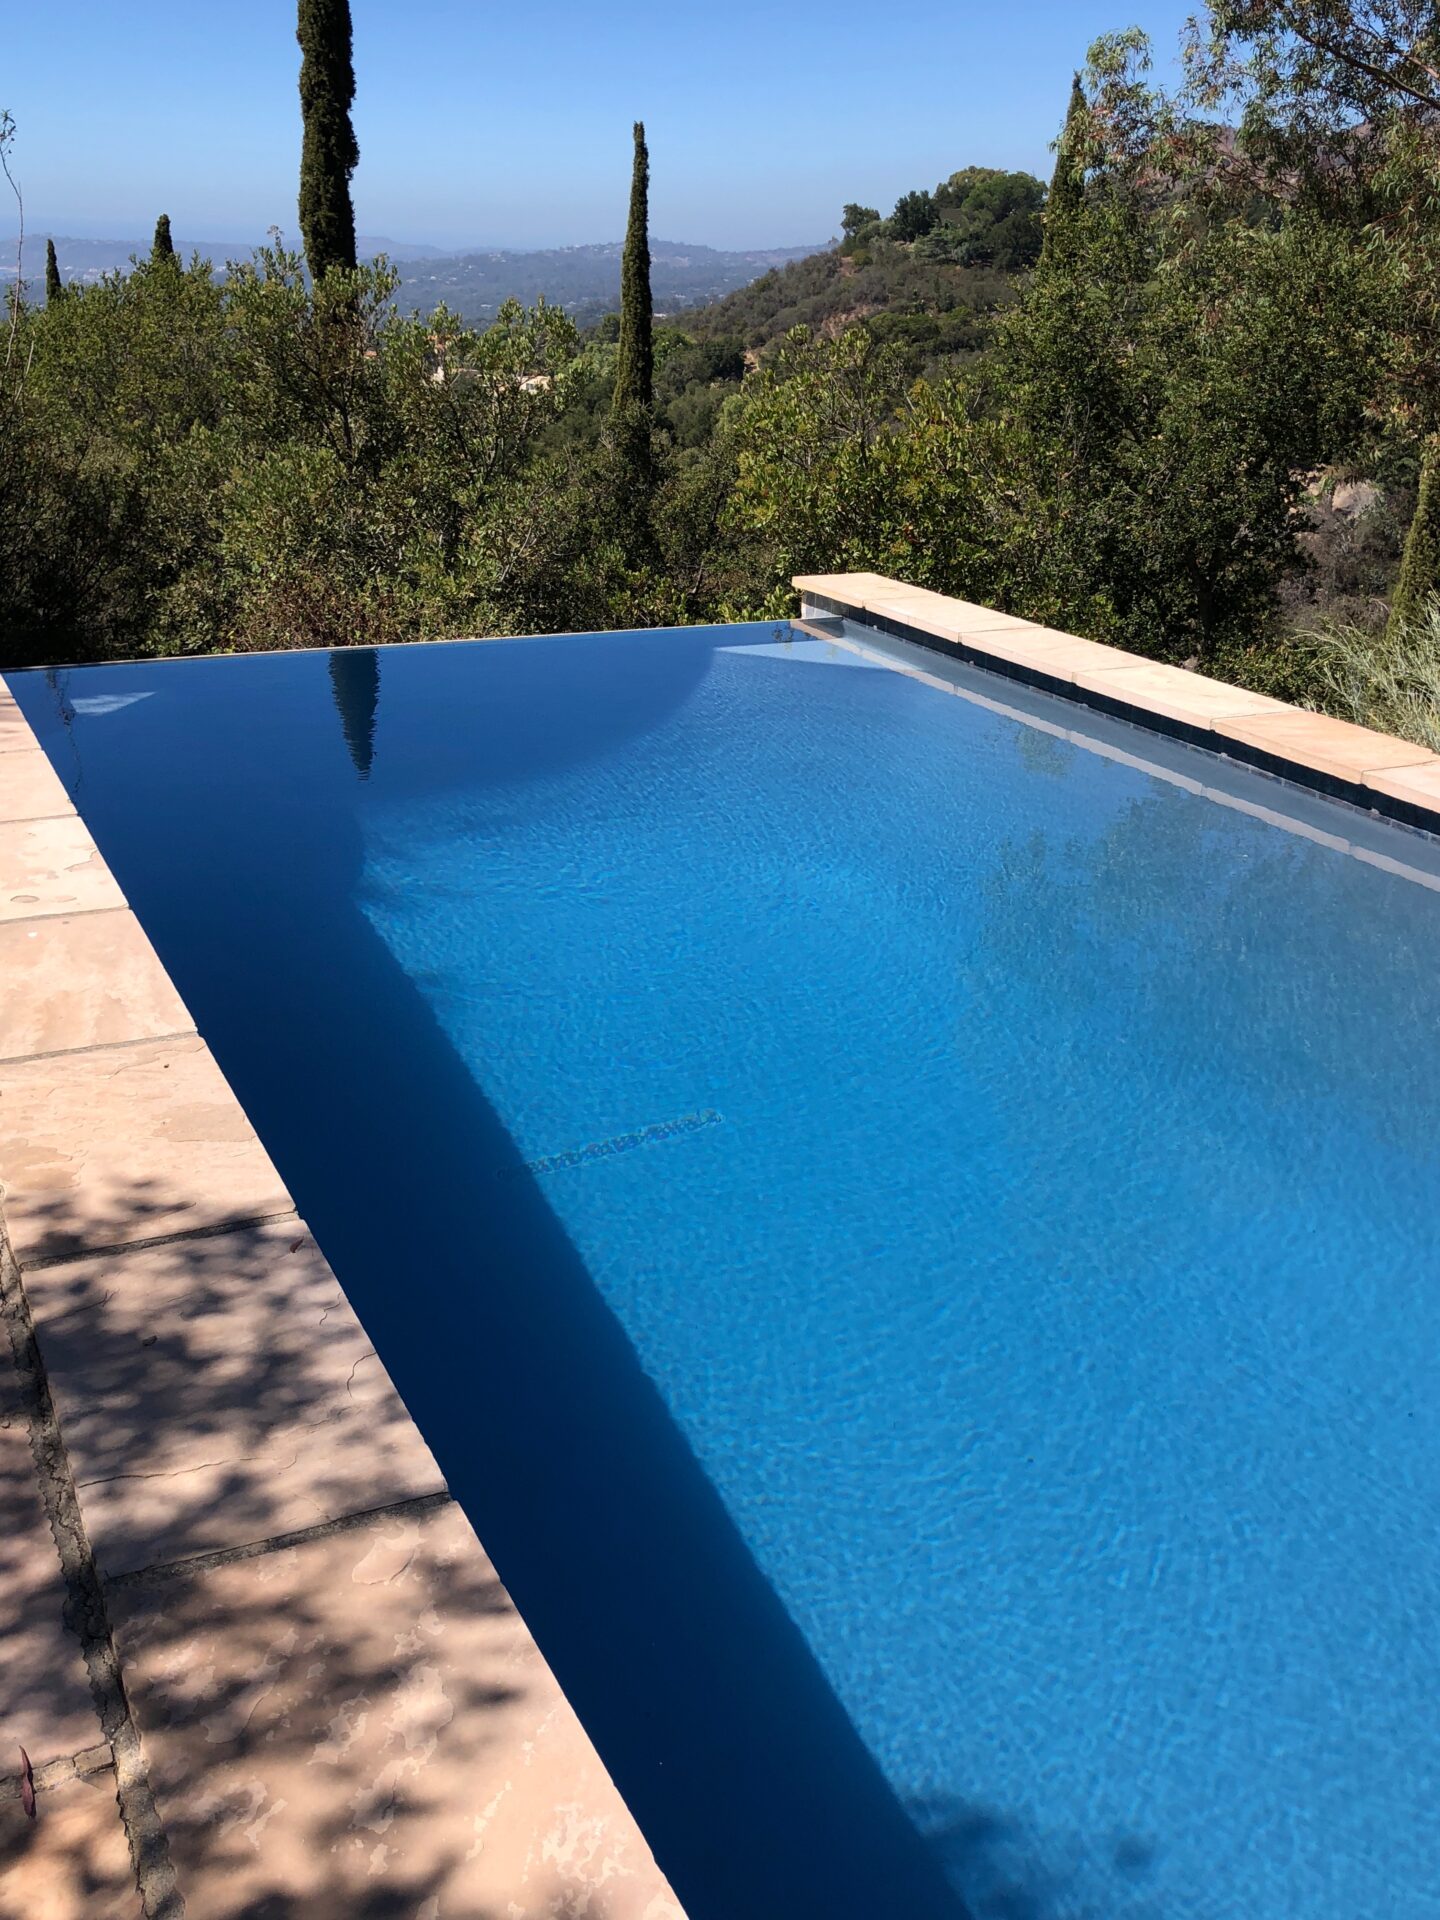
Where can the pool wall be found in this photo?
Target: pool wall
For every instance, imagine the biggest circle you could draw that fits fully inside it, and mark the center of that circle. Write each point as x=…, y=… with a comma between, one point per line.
x=1375, y=771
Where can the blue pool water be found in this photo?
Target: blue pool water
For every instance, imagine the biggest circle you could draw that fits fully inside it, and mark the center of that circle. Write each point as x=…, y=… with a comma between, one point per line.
x=913, y=1235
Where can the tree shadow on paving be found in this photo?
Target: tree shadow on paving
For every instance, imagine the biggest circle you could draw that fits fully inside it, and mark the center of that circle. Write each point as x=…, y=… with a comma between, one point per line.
x=217, y=1391
x=359, y=1724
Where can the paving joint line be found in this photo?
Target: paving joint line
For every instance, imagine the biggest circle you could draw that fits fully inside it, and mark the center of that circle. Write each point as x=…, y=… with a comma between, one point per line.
x=59, y=1773
x=98, y=1046
x=85, y=1612
x=416, y=1507
x=213, y=1232
x=62, y=913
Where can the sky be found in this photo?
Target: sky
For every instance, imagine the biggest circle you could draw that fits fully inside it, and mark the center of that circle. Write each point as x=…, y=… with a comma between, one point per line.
x=510, y=125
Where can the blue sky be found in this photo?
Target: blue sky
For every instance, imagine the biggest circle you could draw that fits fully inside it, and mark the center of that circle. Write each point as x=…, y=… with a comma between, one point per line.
x=509, y=125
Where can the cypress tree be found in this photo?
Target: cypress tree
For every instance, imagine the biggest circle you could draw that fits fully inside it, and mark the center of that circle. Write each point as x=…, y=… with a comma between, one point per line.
x=635, y=359
x=1067, y=186
x=1420, y=563
x=54, y=285
x=162, y=247
x=329, y=154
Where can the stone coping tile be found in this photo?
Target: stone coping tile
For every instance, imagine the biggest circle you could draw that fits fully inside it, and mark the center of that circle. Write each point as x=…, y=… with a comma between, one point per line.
x=938, y=613
x=82, y=980
x=843, y=586
x=1307, y=742
x=15, y=731
x=362, y=1724
x=45, y=1701
x=218, y=1391
x=102, y=1148
x=1419, y=784
x=1061, y=656
x=52, y=866
x=71, y=1862
x=1335, y=747
x=30, y=788
x=1176, y=692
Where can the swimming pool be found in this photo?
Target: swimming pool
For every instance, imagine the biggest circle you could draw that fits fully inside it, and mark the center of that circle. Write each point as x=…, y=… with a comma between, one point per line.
x=909, y=1227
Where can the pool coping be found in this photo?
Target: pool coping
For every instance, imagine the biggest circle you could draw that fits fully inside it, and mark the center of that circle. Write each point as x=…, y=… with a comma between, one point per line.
x=1376, y=772
x=104, y=1078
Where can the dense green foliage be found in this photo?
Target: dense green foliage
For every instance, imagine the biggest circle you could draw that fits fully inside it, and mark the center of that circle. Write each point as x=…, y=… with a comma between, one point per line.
x=1142, y=432
x=54, y=285
x=329, y=152
x=162, y=247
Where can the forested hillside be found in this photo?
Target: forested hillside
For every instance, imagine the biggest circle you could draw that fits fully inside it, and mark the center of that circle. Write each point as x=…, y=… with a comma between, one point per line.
x=1186, y=398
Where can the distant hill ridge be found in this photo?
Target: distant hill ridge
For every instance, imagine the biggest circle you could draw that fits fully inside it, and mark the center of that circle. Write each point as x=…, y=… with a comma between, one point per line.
x=473, y=281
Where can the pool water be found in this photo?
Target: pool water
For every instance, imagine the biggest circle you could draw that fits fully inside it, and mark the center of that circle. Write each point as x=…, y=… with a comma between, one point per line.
x=910, y=1227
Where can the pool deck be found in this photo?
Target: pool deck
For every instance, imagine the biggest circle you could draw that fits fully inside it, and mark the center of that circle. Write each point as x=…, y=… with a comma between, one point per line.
x=257, y=1657
x=1371, y=770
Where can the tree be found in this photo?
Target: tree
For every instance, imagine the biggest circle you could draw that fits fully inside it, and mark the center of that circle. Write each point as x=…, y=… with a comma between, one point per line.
x=853, y=219
x=635, y=359
x=54, y=285
x=1419, y=579
x=914, y=215
x=1338, y=107
x=329, y=152
x=1067, y=187
x=162, y=247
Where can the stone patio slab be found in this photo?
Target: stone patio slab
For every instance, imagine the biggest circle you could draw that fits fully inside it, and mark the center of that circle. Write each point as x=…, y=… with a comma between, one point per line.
x=45, y=1700
x=30, y=788
x=1419, y=784
x=844, y=587
x=1062, y=656
x=941, y=614
x=14, y=727
x=1336, y=747
x=82, y=980
x=361, y=1725
x=217, y=1392
x=104, y=1148
x=72, y=1861
x=52, y=866
x=1176, y=693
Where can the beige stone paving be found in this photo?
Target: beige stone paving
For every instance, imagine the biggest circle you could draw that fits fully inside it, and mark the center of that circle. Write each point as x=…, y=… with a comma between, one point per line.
x=1332, y=746
x=14, y=728
x=71, y=1862
x=45, y=1702
x=948, y=618
x=52, y=866
x=1060, y=655
x=362, y=1724
x=1419, y=784
x=126, y=1143
x=82, y=980
x=1177, y=693
x=30, y=788
x=219, y=1391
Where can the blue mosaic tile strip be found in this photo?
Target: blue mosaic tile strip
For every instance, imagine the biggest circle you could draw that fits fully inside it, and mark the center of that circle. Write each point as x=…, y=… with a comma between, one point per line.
x=619, y=1143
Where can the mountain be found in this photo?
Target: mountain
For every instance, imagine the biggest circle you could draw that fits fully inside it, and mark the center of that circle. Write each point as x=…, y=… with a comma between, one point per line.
x=586, y=280
x=87, y=260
